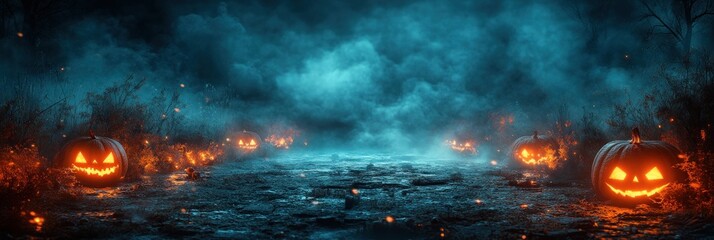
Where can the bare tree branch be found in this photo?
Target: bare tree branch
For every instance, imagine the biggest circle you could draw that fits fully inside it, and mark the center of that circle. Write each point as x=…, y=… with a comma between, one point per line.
x=662, y=22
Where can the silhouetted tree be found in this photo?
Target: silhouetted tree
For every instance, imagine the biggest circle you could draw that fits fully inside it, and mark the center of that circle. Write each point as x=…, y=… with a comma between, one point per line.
x=680, y=21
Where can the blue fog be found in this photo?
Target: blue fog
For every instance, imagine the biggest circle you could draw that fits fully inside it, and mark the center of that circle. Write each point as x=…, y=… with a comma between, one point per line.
x=366, y=73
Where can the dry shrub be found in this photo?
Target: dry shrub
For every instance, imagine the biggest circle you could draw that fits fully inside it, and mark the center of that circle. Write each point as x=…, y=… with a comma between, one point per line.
x=696, y=195
x=167, y=158
x=147, y=129
x=26, y=184
x=686, y=105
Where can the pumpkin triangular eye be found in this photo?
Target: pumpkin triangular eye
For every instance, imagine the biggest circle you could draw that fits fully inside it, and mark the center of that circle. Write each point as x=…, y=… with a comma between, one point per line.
x=654, y=174
x=80, y=158
x=109, y=159
x=618, y=174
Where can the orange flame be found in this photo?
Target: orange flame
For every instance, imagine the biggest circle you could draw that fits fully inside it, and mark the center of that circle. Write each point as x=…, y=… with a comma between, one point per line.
x=546, y=157
x=282, y=139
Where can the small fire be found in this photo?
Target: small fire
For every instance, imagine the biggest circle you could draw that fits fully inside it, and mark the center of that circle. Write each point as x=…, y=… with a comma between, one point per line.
x=20, y=34
x=355, y=191
x=282, y=139
x=545, y=157
x=36, y=220
x=280, y=142
x=478, y=201
x=389, y=219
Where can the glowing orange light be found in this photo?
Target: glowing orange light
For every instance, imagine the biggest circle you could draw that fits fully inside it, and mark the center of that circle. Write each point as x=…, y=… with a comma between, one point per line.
x=654, y=174
x=635, y=193
x=355, y=191
x=20, y=34
x=389, y=219
x=618, y=174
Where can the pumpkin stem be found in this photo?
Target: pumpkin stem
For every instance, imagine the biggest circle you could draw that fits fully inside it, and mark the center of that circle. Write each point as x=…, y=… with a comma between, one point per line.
x=636, y=136
x=535, y=134
x=91, y=134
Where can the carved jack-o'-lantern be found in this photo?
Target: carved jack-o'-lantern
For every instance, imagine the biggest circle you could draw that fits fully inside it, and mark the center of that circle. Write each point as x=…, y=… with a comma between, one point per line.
x=632, y=171
x=96, y=161
x=248, y=142
x=467, y=147
x=535, y=150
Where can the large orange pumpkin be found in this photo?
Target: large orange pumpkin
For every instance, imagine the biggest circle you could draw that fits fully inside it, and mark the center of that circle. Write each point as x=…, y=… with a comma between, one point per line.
x=96, y=161
x=631, y=171
x=535, y=150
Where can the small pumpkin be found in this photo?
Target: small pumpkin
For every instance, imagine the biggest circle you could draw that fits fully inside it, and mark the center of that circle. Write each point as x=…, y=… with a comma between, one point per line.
x=535, y=150
x=96, y=161
x=631, y=171
x=248, y=142
x=466, y=147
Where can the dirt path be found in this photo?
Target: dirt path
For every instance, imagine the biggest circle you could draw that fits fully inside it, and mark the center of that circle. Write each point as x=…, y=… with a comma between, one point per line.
x=306, y=196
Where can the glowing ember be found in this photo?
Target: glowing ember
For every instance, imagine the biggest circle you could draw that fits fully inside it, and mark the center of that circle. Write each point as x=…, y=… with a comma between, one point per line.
x=355, y=191
x=478, y=201
x=36, y=220
x=20, y=34
x=389, y=219
x=524, y=206
x=494, y=163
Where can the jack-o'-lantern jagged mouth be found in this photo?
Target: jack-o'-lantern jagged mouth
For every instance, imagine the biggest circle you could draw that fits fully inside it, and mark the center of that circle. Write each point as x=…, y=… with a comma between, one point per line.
x=636, y=193
x=464, y=147
x=533, y=158
x=93, y=171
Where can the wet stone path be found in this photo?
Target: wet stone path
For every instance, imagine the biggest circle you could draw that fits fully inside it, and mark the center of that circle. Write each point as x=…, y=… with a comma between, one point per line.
x=352, y=196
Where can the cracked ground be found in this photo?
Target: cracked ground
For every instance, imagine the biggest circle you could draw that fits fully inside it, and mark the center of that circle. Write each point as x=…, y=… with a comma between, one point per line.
x=361, y=196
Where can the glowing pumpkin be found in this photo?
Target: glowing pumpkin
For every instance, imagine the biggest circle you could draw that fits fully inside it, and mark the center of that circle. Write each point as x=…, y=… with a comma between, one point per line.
x=248, y=142
x=535, y=150
x=632, y=171
x=467, y=147
x=96, y=161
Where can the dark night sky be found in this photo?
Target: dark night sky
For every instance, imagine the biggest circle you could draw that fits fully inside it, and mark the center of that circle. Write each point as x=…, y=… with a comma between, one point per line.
x=359, y=71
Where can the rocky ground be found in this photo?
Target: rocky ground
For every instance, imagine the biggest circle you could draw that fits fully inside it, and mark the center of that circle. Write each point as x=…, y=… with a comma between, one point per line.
x=352, y=196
